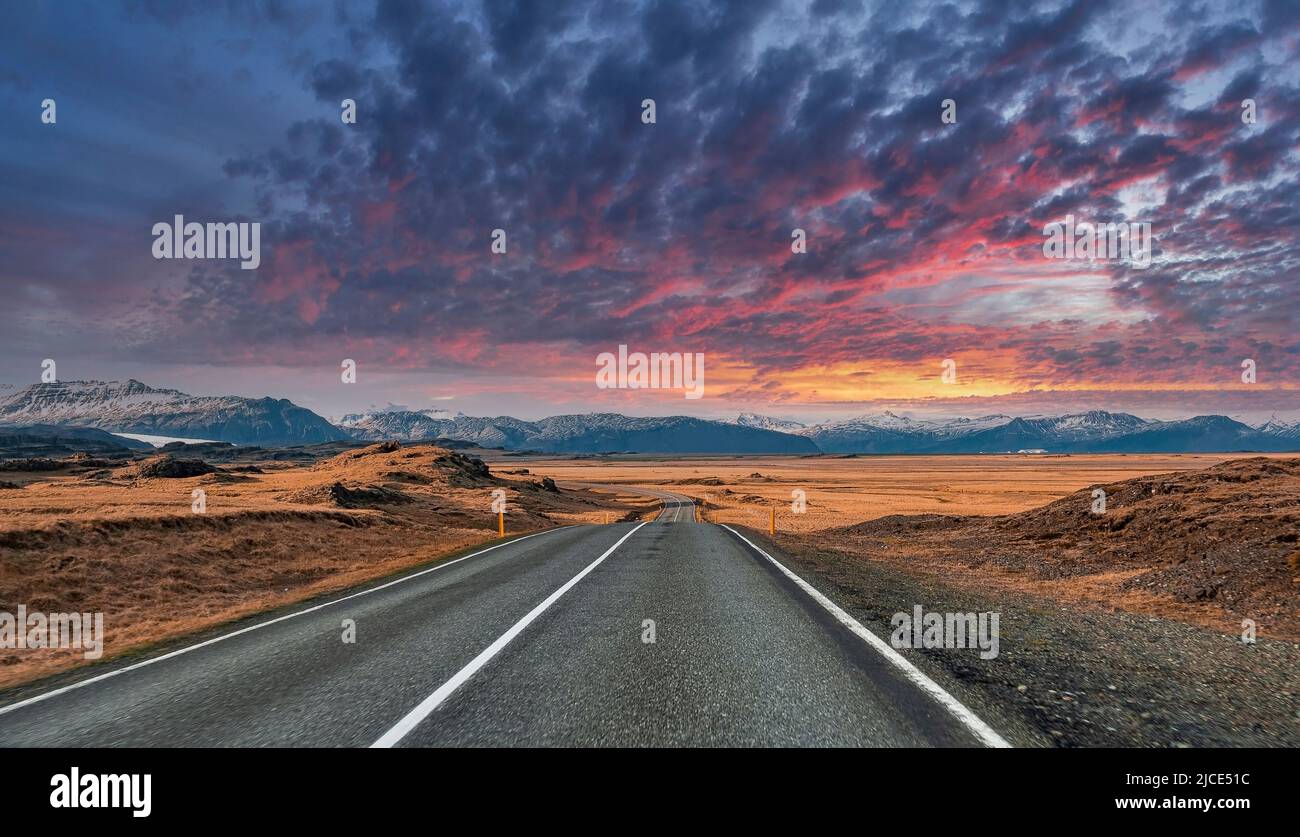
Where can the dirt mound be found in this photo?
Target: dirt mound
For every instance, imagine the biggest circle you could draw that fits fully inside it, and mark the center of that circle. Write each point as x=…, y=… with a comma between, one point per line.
x=338, y=494
x=167, y=466
x=384, y=473
x=1226, y=535
x=465, y=471
x=408, y=476
x=894, y=525
x=226, y=478
x=371, y=450
x=418, y=463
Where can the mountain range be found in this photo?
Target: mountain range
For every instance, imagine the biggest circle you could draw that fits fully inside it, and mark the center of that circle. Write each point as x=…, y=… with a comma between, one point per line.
x=135, y=408
x=1096, y=431
x=589, y=433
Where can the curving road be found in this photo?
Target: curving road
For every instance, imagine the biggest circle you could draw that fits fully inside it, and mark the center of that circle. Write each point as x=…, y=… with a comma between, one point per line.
x=667, y=633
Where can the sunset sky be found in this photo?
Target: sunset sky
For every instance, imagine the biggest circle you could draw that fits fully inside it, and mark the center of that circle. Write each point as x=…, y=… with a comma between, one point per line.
x=924, y=238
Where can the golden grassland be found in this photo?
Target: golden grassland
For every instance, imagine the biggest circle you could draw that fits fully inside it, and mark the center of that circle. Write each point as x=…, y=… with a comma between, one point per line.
x=1211, y=542
x=114, y=540
x=843, y=491
x=130, y=547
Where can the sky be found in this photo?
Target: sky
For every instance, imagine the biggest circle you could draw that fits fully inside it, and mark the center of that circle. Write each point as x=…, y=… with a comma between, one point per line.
x=924, y=236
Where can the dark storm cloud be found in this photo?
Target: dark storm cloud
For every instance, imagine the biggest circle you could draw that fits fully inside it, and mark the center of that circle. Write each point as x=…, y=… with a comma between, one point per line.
x=526, y=116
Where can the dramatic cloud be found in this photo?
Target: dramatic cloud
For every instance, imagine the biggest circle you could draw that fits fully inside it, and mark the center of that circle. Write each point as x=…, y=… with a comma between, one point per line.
x=924, y=239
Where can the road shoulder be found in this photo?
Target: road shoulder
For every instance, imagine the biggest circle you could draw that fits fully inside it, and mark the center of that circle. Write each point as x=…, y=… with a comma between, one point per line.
x=1074, y=677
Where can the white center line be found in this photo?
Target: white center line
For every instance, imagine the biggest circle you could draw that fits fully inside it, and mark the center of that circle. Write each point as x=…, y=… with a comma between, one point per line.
x=433, y=701
x=969, y=719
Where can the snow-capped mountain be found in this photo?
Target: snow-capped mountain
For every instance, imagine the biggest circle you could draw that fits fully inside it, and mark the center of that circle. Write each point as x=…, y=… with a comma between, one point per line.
x=1281, y=429
x=1095, y=424
x=676, y=434
x=133, y=407
x=1200, y=434
x=1093, y=431
x=1058, y=434
x=590, y=433
x=403, y=425
x=769, y=423
x=881, y=433
x=889, y=432
x=413, y=425
x=354, y=419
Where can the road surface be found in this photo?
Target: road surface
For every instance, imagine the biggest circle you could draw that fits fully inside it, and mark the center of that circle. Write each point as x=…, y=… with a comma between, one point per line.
x=664, y=633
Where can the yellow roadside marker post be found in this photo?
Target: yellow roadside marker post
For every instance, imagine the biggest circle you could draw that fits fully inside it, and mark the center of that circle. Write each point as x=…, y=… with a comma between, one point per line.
x=771, y=527
x=501, y=524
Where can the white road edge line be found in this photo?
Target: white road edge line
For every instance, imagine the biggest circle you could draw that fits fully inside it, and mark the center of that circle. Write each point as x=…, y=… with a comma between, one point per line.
x=969, y=719
x=433, y=701
x=55, y=692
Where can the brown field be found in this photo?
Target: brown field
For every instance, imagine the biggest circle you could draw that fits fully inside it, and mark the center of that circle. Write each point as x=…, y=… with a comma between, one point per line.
x=116, y=538
x=1211, y=549
x=842, y=491
x=106, y=538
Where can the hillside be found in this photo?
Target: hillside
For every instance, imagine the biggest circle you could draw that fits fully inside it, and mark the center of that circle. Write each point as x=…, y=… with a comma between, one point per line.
x=123, y=535
x=1220, y=543
x=23, y=441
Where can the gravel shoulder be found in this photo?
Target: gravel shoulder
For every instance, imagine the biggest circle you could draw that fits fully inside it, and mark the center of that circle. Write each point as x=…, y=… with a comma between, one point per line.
x=1071, y=675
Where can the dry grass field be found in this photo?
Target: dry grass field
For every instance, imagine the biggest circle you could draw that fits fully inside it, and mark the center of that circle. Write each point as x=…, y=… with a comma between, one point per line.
x=843, y=491
x=123, y=539
x=120, y=537
x=1211, y=542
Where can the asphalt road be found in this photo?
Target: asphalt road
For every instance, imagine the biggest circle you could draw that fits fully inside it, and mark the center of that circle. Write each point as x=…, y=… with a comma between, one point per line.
x=667, y=633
